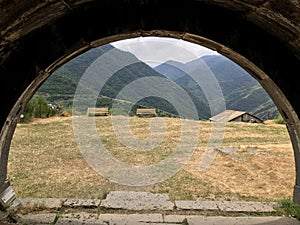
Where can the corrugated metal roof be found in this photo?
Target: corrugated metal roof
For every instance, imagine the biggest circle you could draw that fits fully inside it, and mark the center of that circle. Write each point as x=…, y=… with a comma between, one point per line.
x=226, y=116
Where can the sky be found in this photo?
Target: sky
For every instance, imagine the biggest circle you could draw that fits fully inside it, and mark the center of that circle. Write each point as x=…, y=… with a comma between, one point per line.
x=157, y=50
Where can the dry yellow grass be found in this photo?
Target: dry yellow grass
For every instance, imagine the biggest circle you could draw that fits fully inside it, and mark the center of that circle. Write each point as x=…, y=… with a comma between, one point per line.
x=45, y=161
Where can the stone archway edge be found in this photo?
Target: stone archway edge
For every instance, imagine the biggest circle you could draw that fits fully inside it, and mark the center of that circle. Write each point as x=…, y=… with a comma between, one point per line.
x=263, y=36
x=31, y=17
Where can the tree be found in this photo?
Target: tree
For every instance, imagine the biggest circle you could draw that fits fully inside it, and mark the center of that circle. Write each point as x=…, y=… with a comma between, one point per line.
x=37, y=107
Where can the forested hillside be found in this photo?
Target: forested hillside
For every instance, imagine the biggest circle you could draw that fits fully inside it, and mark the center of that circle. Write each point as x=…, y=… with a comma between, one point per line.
x=240, y=90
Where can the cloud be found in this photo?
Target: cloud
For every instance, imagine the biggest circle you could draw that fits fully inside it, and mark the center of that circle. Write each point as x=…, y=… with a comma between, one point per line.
x=157, y=50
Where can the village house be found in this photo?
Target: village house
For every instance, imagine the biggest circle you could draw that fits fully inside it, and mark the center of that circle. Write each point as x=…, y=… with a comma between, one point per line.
x=235, y=116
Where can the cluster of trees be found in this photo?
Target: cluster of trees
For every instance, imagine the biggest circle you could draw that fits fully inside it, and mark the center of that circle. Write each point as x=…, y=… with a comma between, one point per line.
x=38, y=107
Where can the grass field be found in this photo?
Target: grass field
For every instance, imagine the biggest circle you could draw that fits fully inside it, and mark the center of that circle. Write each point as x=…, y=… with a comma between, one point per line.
x=45, y=161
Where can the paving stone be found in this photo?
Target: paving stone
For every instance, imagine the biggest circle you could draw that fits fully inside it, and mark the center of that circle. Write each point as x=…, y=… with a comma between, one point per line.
x=65, y=221
x=16, y=205
x=79, y=218
x=116, y=219
x=49, y=203
x=47, y=218
x=86, y=203
x=196, y=205
x=131, y=219
x=145, y=218
x=228, y=206
x=173, y=218
x=113, y=219
x=147, y=223
x=137, y=201
x=151, y=219
x=80, y=215
x=213, y=220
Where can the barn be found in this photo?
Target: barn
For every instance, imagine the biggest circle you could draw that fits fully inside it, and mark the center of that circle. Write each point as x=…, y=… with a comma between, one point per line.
x=235, y=116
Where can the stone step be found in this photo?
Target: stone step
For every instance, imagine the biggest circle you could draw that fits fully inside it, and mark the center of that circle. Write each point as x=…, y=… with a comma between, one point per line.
x=143, y=208
x=148, y=219
x=146, y=201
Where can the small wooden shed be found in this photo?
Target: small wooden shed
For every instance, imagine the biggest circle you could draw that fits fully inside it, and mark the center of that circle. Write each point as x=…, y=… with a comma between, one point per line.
x=97, y=112
x=146, y=112
x=235, y=116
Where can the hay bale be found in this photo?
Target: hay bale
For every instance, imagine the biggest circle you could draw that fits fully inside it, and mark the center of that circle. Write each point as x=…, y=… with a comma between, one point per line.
x=97, y=112
x=146, y=112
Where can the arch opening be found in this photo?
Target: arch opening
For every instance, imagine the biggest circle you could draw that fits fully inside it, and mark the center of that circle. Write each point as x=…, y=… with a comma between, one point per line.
x=59, y=63
x=35, y=44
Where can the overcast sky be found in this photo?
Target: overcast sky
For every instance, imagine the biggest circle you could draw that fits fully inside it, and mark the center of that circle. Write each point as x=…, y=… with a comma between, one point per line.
x=157, y=50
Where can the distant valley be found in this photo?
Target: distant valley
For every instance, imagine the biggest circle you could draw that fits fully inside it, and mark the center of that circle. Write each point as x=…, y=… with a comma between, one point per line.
x=240, y=90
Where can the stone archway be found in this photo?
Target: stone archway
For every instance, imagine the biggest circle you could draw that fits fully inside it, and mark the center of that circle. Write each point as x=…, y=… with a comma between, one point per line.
x=37, y=37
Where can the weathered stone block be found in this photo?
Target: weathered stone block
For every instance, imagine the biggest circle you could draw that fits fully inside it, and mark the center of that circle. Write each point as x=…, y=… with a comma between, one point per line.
x=137, y=201
x=196, y=205
x=86, y=203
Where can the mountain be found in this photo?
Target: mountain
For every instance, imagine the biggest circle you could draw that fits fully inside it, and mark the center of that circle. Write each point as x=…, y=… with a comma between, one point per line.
x=240, y=90
x=171, y=69
x=61, y=86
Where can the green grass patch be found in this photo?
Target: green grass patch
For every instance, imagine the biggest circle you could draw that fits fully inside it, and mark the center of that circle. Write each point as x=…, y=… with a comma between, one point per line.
x=289, y=208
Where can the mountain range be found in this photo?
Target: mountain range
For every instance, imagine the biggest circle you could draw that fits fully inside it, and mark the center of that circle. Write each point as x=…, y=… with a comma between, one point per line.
x=239, y=90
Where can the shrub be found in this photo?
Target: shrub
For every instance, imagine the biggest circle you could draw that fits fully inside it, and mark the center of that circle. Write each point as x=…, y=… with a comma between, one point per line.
x=37, y=107
x=289, y=208
x=279, y=119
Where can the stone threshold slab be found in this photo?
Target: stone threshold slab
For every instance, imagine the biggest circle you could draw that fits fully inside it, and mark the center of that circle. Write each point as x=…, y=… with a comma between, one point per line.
x=146, y=201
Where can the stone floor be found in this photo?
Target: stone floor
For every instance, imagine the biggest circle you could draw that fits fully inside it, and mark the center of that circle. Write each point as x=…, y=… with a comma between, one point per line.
x=148, y=219
x=143, y=208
